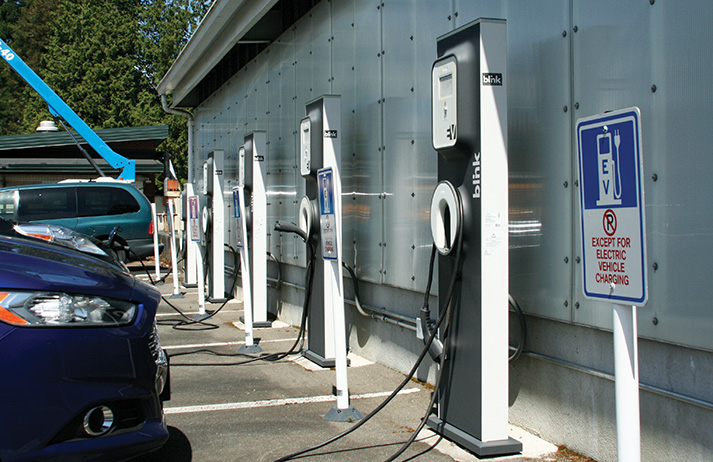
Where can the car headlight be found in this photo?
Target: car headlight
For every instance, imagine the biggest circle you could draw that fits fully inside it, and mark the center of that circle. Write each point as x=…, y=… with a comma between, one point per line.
x=160, y=358
x=53, y=309
x=59, y=235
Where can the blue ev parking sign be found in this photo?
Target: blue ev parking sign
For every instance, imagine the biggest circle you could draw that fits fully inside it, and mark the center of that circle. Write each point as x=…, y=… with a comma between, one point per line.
x=612, y=207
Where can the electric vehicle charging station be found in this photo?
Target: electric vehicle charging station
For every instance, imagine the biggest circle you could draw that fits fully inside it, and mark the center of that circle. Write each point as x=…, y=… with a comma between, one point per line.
x=469, y=223
x=320, y=343
x=255, y=152
x=240, y=213
x=327, y=126
x=320, y=224
x=213, y=220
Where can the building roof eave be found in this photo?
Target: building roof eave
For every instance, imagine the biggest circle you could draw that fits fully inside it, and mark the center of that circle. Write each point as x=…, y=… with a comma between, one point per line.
x=223, y=26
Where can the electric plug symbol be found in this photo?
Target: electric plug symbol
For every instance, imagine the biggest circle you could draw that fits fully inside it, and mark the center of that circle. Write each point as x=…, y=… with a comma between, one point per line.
x=617, y=143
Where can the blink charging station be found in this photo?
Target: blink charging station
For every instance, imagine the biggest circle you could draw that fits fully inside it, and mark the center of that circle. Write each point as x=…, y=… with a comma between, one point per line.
x=320, y=344
x=213, y=222
x=255, y=148
x=320, y=224
x=469, y=223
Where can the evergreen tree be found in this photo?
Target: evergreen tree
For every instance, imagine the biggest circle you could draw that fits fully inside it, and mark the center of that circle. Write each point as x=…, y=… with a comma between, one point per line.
x=90, y=62
x=103, y=57
x=11, y=87
x=165, y=27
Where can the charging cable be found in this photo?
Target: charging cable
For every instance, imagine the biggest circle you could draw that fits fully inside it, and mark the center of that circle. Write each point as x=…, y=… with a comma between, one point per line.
x=447, y=313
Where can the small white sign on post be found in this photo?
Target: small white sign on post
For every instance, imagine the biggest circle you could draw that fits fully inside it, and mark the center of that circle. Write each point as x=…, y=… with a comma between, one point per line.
x=237, y=214
x=611, y=197
x=194, y=218
x=327, y=216
x=157, y=261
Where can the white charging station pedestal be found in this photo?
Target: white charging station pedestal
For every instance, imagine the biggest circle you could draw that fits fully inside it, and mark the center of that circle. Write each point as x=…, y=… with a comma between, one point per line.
x=471, y=204
x=240, y=212
x=214, y=224
x=255, y=146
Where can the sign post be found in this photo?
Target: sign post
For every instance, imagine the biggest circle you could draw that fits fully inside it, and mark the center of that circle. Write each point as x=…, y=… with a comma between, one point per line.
x=329, y=195
x=250, y=346
x=156, y=258
x=614, y=248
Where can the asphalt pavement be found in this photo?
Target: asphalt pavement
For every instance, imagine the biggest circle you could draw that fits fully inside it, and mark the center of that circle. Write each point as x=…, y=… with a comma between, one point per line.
x=231, y=407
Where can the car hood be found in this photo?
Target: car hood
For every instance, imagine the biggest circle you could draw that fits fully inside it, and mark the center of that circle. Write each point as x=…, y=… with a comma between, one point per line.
x=26, y=265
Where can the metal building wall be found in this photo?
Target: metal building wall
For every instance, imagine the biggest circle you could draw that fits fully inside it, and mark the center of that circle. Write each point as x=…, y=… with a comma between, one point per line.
x=567, y=59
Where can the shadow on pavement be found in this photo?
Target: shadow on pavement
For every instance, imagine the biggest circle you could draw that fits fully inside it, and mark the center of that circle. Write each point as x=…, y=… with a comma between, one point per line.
x=176, y=449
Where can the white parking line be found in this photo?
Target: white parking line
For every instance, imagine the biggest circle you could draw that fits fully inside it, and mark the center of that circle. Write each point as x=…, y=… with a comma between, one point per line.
x=275, y=402
x=206, y=345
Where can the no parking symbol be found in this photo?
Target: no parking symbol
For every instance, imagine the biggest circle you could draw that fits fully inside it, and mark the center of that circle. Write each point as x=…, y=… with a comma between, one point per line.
x=612, y=207
x=609, y=222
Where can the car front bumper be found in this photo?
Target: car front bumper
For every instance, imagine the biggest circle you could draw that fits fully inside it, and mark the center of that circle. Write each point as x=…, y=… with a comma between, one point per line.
x=54, y=377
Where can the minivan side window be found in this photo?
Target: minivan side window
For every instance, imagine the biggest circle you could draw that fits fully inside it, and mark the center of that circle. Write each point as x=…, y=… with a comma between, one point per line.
x=99, y=200
x=49, y=203
x=7, y=205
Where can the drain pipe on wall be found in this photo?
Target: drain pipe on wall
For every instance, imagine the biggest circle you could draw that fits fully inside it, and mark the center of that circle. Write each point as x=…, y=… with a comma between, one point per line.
x=189, y=264
x=189, y=116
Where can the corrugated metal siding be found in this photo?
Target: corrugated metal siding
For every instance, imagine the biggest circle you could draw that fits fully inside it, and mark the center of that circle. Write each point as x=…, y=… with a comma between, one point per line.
x=567, y=59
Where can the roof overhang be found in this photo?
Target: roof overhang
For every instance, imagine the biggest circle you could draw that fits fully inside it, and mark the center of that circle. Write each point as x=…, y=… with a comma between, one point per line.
x=226, y=23
x=56, y=152
x=24, y=165
x=135, y=138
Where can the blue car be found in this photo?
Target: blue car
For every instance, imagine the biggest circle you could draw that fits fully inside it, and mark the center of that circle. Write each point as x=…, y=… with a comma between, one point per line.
x=83, y=372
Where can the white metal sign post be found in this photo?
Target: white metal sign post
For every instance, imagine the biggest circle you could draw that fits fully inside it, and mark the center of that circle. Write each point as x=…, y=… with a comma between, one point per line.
x=239, y=202
x=614, y=248
x=329, y=194
x=174, y=259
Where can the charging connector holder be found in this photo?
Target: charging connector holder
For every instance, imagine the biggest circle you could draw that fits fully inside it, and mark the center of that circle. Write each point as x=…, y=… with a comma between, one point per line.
x=307, y=216
x=445, y=217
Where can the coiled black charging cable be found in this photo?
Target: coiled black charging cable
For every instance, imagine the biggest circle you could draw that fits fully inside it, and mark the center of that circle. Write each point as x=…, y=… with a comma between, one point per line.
x=303, y=321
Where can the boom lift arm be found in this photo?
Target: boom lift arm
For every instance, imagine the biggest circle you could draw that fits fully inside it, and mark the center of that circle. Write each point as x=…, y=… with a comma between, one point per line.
x=59, y=108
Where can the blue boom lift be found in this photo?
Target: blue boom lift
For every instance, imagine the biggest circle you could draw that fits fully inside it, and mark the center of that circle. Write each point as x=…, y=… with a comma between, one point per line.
x=59, y=108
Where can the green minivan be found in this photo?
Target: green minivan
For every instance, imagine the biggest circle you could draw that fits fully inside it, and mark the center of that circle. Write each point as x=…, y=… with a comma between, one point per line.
x=95, y=208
